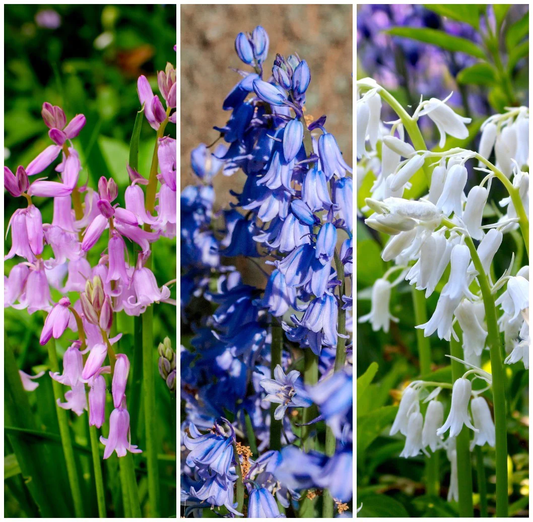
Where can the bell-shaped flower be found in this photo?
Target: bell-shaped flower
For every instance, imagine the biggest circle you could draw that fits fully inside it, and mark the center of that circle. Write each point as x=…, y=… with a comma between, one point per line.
x=432, y=422
x=119, y=434
x=295, y=267
x=138, y=235
x=438, y=180
x=166, y=208
x=36, y=295
x=242, y=242
x=134, y=198
x=243, y=48
x=63, y=214
x=72, y=367
x=413, y=441
x=97, y=398
x=442, y=319
x=20, y=242
x=213, y=450
x=516, y=296
x=117, y=263
x=397, y=244
x=95, y=361
x=146, y=96
x=269, y=93
x=93, y=232
x=398, y=146
x=15, y=283
x=505, y=149
x=408, y=404
x=458, y=283
x=120, y=379
x=278, y=297
x=487, y=140
x=71, y=169
x=331, y=159
x=380, y=316
x=216, y=491
x=321, y=316
x=520, y=352
x=451, y=199
x=146, y=288
x=239, y=93
x=262, y=504
x=363, y=117
x=470, y=317
x=447, y=121
x=56, y=321
x=76, y=399
x=27, y=380
x=473, y=215
x=79, y=270
x=286, y=391
x=374, y=119
x=458, y=416
x=483, y=422
x=166, y=153
x=343, y=198
x=487, y=249
x=43, y=160
x=292, y=139
x=325, y=243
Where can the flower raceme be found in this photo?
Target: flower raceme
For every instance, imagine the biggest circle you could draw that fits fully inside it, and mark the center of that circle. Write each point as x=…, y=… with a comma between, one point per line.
x=92, y=270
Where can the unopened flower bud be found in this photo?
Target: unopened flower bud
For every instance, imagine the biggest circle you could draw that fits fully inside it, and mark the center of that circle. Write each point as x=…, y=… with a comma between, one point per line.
x=405, y=173
x=95, y=360
x=105, y=208
x=112, y=190
x=488, y=138
x=269, y=93
x=260, y=43
x=97, y=395
x=281, y=77
x=400, y=147
x=11, y=183
x=292, y=139
x=106, y=315
x=88, y=311
x=488, y=247
x=98, y=298
x=120, y=379
x=244, y=49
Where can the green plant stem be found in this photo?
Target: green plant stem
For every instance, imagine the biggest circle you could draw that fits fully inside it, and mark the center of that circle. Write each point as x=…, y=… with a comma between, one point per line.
x=127, y=470
x=481, y=482
x=464, y=464
x=66, y=440
x=97, y=465
x=126, y=500
x=424, y=354
x=498, y=384
x=276, y=349
x=240, y=485
x=310, y=378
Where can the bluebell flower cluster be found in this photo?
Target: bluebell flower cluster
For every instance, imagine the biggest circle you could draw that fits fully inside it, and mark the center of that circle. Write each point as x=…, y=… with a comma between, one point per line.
x=293, y=218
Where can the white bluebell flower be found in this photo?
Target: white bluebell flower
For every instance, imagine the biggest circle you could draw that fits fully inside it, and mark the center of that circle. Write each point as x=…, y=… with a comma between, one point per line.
x=483, y=422
x=458, y=416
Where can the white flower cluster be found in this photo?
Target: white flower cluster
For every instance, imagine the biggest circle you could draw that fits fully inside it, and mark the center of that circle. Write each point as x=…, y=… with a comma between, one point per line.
x=429, y=234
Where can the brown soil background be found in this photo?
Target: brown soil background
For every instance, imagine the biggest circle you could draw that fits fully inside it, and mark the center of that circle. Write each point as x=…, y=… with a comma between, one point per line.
x=320, y=34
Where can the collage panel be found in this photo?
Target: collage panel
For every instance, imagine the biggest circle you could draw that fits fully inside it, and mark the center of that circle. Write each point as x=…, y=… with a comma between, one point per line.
x=443, y=260
x=266, y=261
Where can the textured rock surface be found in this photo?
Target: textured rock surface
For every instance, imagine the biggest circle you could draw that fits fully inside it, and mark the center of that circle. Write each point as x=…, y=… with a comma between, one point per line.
x=321, y=34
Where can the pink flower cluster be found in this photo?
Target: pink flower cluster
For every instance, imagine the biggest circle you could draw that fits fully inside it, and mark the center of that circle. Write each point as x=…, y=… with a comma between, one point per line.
x=114, y=283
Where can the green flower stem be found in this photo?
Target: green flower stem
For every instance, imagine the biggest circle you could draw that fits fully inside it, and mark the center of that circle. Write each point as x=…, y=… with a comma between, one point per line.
x=464, y=464
x=481, y=482
x=97, y=465
x=310, y=378
x=276, y=349
x=424, y=354
x=66, y=440
x=126, y=499
x=240, y=485
x=127, y=470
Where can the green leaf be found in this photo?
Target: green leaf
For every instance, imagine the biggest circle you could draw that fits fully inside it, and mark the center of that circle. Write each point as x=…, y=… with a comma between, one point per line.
x=375, y=506
x=135, y=138
x=11, y=466
x=439, y=39
x=431, y=506
x=370, y=426
x=516, y=54
x=497, y=99
x=518, y=506
x=500, y=12
x=480, y=73
x=516, y=32
x=462, y=13
x=441, y=375
x=364, y=381
x=370, y=266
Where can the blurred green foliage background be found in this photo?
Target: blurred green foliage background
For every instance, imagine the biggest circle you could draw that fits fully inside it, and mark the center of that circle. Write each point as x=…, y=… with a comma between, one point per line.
x=86, y=59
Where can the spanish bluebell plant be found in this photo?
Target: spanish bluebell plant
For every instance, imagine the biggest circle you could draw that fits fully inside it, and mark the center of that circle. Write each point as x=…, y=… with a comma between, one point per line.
x=78, y=272
x=442, y=217
x=266, y=375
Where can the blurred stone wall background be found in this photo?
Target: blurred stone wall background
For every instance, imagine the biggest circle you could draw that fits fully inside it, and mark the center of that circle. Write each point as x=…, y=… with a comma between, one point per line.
x=320, y=34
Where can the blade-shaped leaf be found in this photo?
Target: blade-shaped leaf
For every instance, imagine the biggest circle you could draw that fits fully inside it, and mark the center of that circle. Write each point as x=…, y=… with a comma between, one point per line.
x=517, y=31
x=11, y=466
x=364, y=381
x=468, y=13
x=500, y=12
x=481, y=73
x=439, y=39
x=516, y=54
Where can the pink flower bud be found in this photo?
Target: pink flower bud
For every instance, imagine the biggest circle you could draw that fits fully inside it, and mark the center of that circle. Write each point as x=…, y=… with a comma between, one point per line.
x=125, y=216
x=11, y=183
x=71, y=169
x=56, y=321
x=43, y=160
x=105, y=208
x=59, y=116
x=57, y=136
x=97, y=395
x=120, y=379
x=102, y=188
x=88, y=310
x=146, y=96
x=47, y=113
x=22, y=179
x=94, y=362
x=75, y=125
x=106, y=315
x=49, y=189
x=159, y=111
x=112, y=190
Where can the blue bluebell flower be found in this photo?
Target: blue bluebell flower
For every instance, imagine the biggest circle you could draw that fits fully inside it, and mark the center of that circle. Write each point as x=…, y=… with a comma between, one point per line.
x=300, y=81
x=337, y=476
x=293, y=136
x=217, y=491
x=298, y=470
x=320, y=277
x=260, y=44
x=278, y=297
x=236, y=126
x=262, y=504
x=204, y=164
x=242, y=240
x=315, y=190
x=303, y=212
x=281, y=77
x=343, y=198
x=213, y=450
x=269, y=93
x=321, y=316
x=325, y=243
x=285, y=390
x=295, y=267
x=239, y=93
x=331, y=159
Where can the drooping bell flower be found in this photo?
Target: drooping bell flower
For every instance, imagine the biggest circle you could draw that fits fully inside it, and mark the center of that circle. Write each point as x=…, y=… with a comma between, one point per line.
x=442, y=318
x=488, y=247
x=213, y=450
x=343, y=198
x=325, y=243
x=63, y=215
x=117, y=263
x=15, y=283
x=413, y=441
x=303, y=213
x=316, y=195
x=483, y=422
x=278, y=297
x=408, y=404
x=451, y=198
x=216, y=491
x=447, y=121
x=95, y=361
x=56, y=321
x=458, y=416
x=166, y=208
x=72, y=367
x=488, y=138
x=71, y=169
x=166, y=153
x=432, y=422
x=119, y=434
x=292, y=139
x=458, y=283
x=301, y=77
x=146, y=288
x=380, y=316
x=516, y=297
x=331, y=157
x=79, y=270
x=120, y=379
x=399, y=179
x=138, y=235
x=321, y=316
x=438, y=179
x=76, y=399
x=20, y=242
x=262, y=504
x=286, y=391
x=134, y=197
x=470, y=317
x=239, y=93
x=295, y=267
x=473, y=215
x=36, y=295
x=27, y=380
x=97, y=396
